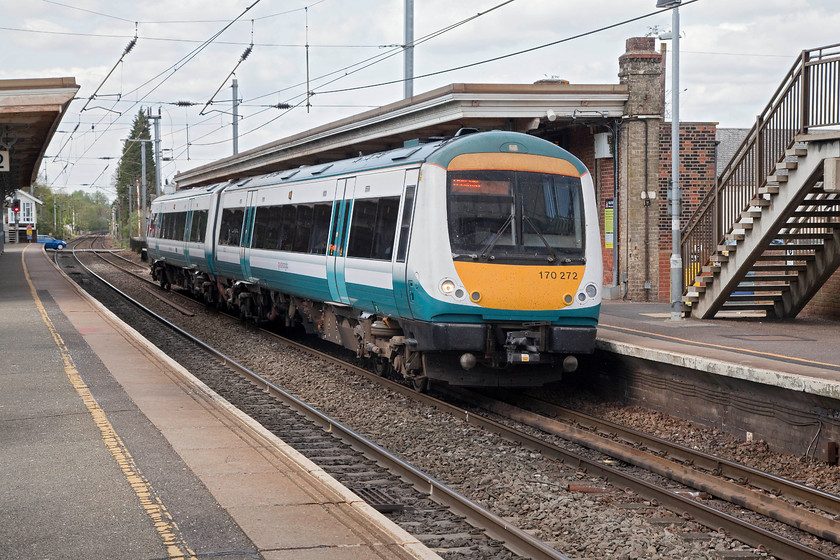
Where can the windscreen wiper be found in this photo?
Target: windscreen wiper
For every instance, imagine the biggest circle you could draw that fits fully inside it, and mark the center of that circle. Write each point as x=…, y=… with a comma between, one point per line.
x=496, y=237
x=553, y=256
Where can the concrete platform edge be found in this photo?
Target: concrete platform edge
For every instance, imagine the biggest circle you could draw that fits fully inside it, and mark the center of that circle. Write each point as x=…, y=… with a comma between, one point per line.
x=791, y=382
x=401, y=537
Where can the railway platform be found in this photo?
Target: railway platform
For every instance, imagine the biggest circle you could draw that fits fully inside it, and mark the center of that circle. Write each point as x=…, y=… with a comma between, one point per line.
x=800, y=355
x=110, y=449
x=774, y=381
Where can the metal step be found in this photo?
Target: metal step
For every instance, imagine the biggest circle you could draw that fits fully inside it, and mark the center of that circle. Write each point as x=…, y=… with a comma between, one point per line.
x=758, y=299
x=747, y=307
x=787, y=258
x=763, y=287
x=800, y=235
x=779, y=268
x=797, y=247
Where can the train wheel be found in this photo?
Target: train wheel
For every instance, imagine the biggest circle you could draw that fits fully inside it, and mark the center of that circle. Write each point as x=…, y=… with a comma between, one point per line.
x=420, y=383
x=381, y=366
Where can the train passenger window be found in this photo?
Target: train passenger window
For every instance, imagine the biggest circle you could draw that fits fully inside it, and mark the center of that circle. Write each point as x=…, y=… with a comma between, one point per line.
x=230, y=230
x=198, y=226
x=304, y=228
x=168, y=226
x=372, y=228
x=180, y=225
x=361, y=228
x=267, y=228
x=320, y=228
x=408, y=208
x=386, y=227
x=260, y=236
x=288, y=219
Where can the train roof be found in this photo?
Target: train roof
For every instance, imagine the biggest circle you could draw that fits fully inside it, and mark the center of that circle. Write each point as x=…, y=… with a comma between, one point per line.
x=438, y=151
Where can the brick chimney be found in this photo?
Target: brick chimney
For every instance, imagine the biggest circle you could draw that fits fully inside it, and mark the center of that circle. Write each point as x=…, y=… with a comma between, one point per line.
x=640, y=67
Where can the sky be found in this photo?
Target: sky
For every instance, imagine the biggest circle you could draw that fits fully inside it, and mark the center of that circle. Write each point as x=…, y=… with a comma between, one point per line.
x=733, y=56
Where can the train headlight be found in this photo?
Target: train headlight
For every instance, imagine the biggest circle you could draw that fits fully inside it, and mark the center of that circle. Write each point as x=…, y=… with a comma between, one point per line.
x=591, y=290
x=568, y=299
x=447, y=287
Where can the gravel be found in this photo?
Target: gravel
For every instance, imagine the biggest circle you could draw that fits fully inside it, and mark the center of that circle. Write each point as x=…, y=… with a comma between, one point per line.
x=521, y=486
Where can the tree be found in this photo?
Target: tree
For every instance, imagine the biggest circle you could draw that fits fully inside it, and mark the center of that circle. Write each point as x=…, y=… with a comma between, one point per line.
x=129, y=172
x=92, y=212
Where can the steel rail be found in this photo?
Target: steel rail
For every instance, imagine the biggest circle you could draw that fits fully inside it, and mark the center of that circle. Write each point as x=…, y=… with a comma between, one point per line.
x=776, y=485
x=514, y=539
x=780, y=546
x=803, y=519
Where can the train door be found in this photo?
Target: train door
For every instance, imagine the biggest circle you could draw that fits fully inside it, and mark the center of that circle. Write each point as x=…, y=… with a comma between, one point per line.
x=336, y=253
x=247, y=228
x=402, y=294
x=187, y=229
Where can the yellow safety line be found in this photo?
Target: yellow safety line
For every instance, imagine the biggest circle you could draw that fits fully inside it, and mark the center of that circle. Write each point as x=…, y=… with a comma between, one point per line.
x=747, y=350
x=166, y=527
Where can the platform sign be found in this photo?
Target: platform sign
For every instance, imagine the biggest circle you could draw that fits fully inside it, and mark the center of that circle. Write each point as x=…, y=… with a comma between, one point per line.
x=4, y=160
x=608, y=224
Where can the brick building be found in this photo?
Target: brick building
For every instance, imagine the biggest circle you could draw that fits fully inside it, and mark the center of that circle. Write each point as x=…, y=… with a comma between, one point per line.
x=617, y=130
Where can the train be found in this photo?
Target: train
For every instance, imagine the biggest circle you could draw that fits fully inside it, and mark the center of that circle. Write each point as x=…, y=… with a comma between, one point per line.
x=473, y=260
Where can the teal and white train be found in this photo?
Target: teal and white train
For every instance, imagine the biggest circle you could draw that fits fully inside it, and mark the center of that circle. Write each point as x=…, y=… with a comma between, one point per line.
x=474, y=260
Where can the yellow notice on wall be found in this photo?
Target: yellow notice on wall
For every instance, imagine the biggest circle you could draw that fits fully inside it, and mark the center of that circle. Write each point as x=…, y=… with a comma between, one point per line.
x=608, y=225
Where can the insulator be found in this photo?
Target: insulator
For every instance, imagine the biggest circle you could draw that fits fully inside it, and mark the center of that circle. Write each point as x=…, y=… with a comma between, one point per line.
x=130, y=46
x=282, y=106
x=185, y=103
x=247, y=53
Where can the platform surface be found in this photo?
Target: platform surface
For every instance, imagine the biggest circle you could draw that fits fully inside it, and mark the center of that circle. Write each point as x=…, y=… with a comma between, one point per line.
x=802, y=354
x=108, y=449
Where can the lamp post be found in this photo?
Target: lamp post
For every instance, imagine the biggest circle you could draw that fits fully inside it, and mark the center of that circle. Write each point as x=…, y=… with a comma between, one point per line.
x=676, y=254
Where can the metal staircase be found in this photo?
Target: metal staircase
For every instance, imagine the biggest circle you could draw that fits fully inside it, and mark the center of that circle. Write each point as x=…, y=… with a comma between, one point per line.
x=767, y=237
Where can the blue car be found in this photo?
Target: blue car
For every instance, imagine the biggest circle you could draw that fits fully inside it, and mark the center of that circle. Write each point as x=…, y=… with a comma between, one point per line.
x=51, y=242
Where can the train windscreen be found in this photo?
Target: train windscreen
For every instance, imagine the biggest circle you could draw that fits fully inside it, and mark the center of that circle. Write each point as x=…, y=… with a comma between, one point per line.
x=511, y=216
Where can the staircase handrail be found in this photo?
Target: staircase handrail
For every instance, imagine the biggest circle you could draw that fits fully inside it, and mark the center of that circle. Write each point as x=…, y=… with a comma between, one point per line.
x=790, y=112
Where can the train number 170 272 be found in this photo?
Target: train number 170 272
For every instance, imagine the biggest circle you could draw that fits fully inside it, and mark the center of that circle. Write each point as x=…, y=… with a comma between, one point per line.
x=562, y=275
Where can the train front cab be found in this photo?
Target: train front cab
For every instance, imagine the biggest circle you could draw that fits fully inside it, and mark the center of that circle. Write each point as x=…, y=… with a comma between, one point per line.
x=505, y=277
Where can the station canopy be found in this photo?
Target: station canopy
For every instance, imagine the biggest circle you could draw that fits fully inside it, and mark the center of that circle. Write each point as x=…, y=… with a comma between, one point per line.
x=437, y=113
x=30, y=111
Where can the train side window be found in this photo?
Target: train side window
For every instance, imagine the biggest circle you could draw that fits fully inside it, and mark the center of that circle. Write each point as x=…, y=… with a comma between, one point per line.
x=230, y=230
x=386, y=227
x=320, y=228
x=405, y=224
x=198, y=226
x=288, y=216
x=361, y=228
x=168, y=226
x=260, y=237
x=179, y=224
x=304, y=228
x=373, y=227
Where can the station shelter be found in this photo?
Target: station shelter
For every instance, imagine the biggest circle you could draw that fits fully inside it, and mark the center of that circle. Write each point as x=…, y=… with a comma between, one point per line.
x=30, y=112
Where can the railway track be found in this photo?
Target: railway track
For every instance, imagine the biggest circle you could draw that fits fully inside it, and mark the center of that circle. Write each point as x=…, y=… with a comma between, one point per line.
x=376, y=475
x=675, y=500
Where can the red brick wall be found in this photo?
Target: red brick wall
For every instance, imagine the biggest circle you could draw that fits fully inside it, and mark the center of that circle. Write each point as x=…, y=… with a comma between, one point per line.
x=604, y=174
x=697, y=176
x=826, y=303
